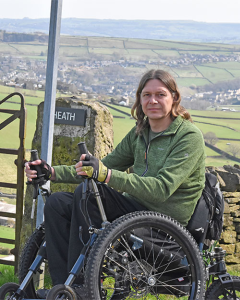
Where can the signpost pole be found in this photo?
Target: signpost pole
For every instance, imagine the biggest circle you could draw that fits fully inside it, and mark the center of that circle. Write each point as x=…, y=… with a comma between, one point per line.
x=50, y=91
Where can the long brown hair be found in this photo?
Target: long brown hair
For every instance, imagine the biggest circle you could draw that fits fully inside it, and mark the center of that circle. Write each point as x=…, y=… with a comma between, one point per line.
x=171, y=85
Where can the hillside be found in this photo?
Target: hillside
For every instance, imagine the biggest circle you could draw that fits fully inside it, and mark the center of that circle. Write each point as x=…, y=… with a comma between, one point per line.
x=100, y=63
x=144, y=29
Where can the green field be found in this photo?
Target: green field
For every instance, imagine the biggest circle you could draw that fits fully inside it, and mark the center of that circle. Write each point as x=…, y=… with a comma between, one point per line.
x=9, y=135
x=182, y=82
x=7, y=274
x=7, y=233
x=122, y=125
x=154, y=51
x=214, y=74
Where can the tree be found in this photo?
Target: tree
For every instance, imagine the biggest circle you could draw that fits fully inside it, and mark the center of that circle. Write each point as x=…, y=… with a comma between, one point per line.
x=234, y=149
x=210, y=137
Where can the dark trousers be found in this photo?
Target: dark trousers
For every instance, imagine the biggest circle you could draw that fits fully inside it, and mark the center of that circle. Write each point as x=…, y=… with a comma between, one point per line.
x=64, y=216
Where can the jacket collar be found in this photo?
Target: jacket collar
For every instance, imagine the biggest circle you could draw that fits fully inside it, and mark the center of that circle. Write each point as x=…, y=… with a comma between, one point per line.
x=172, y=129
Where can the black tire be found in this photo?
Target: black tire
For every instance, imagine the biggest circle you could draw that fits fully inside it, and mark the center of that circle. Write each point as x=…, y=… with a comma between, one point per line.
x=62, y=292
x=28, y=255
x=216, y=290
x=7, y=290
x=145, y=253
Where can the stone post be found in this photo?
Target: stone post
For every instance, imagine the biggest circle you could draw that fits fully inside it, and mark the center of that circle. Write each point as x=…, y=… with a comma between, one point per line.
x=97, y=134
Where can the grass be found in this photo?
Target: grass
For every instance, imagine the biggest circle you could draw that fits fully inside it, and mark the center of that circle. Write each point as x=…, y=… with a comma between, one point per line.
x=7, y=274
x=31, y=48
x=214, y=74
x=218, y=162
x=119, y=132
x=188, y=71
x=105, y=43
x=9, y=136
x=182, y=82
x=7, y=233
x=72, y=51
x=168, y=53
x=8, y=200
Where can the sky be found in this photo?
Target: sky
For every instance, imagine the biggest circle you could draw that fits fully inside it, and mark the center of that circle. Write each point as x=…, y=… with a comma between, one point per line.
x=219, y=11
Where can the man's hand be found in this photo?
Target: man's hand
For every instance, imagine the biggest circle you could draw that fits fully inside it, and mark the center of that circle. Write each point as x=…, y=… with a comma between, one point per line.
x=91, y=167
x=31, y=172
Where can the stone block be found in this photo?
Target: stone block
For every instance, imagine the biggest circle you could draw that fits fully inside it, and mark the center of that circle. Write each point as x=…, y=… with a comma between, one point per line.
x=232, y=181
x=233, y=259
x=226, y=208
x=228, y=237
x=235, y=214
x=237, y=250
x=233, y=207
x=229, y=228
x=230, y=248
x=232, y=200
x=228, y=220
x=231, y=195
x=221, y=181
x=237, y=228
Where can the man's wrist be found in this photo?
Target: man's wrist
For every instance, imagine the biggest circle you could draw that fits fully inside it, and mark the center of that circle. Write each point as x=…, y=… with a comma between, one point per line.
x=53, y=177
x=108, y=176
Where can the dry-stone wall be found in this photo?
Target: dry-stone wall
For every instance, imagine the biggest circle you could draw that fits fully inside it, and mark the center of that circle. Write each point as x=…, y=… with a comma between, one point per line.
x=229, y=178
x=97, y=134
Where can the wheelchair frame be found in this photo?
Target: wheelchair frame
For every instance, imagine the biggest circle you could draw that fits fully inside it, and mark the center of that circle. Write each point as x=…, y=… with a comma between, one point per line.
x=214, y=259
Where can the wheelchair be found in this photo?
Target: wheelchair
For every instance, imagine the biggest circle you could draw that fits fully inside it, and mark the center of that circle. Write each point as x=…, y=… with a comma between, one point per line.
x=141, y=255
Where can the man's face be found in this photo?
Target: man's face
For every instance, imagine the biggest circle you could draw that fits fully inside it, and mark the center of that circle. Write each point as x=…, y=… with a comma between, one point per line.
x=156, y=101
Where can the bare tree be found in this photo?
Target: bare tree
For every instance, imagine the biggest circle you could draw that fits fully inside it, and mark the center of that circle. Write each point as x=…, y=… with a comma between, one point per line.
x=211, y=138
x=234, y=149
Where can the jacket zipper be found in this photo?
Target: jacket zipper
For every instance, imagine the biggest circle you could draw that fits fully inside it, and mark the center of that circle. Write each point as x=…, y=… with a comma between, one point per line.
x=146, y=161
x=147, y=149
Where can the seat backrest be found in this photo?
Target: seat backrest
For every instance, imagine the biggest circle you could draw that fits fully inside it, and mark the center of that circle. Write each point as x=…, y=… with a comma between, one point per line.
x=199, y=222
x=207, y=219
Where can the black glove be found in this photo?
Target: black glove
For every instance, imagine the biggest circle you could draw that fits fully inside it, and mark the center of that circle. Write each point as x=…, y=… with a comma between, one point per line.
x=44, y=169
x=94, y=168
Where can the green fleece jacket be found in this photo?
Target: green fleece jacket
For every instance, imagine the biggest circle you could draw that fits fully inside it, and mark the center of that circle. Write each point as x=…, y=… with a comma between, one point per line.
x=169, y=171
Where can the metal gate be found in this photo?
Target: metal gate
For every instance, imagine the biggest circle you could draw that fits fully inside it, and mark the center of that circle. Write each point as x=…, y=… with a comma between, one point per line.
x=19, y=186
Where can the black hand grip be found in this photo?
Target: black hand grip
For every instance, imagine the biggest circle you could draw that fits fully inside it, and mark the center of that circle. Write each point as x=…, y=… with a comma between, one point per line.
x=34, y=156
x=82, y=148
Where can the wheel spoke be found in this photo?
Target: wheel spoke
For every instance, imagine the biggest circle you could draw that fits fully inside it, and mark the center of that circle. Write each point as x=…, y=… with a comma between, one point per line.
x=139, y=257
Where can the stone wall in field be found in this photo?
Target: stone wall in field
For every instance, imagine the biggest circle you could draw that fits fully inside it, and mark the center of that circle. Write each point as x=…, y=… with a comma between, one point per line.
x=229, y=179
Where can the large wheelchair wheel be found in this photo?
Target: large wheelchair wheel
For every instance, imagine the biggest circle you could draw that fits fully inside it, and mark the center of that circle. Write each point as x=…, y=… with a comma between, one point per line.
x=217, y=290
x=144, y=255
x=42, y=278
